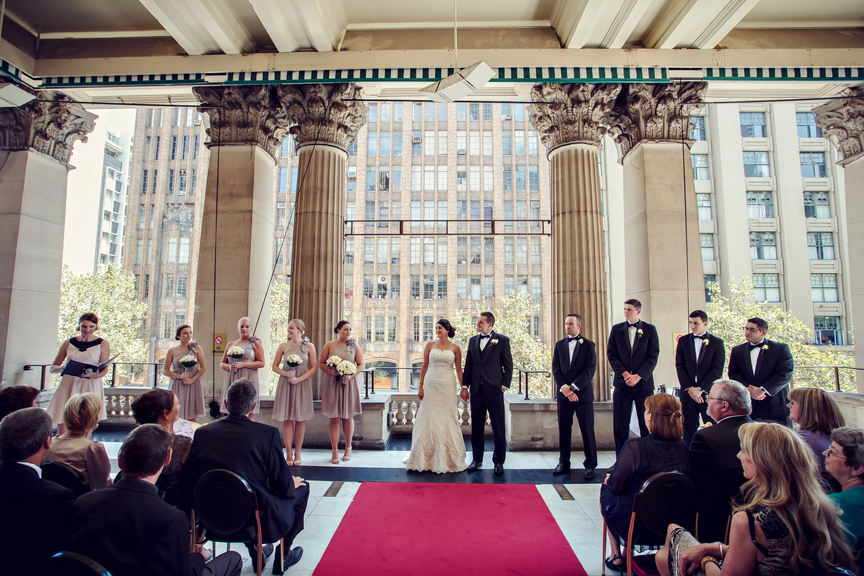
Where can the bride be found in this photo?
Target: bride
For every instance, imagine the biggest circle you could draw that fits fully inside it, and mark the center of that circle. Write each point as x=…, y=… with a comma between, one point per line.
x=436, y=442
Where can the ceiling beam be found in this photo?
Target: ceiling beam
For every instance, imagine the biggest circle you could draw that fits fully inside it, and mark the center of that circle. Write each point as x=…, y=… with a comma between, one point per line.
x=728, y=18
x=324, y=21
x=697, y=23
x=597, y=23
x=573, y=20
x=201, y=26
x=625, y=21
x=275, y=21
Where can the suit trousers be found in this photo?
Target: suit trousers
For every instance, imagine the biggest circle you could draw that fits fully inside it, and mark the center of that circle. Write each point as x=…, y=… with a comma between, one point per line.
x=481, y=403
x=585, y=414
x=692, y=410
x=226, y=564
x=299, y=502
x=623, y=398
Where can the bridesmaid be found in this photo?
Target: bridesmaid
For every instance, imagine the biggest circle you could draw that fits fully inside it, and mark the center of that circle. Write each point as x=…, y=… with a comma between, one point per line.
x=293, y=403
x=88, y=349
x=245, y=367
x=340, y=400
x=186, y=382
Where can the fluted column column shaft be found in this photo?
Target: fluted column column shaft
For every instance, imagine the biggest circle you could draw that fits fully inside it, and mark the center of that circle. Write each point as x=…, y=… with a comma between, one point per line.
x=578, y=255
x=318, y=264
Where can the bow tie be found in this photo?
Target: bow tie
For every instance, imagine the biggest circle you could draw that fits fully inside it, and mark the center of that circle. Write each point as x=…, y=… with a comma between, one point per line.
x=572, y=338
x=752, y=346
x=702, y=337
x=482, y=336
x=635, y=325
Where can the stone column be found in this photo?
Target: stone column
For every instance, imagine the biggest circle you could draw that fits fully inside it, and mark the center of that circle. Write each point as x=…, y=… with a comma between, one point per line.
x=235, y=261
x=651, y=123
x=568, y=117
x=844, y=120
x=36, y=140
x=324, y=119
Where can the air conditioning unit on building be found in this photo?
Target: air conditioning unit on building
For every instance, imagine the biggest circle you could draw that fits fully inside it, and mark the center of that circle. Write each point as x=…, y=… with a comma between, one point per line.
x=416, y=139
x=506, y=117
x=352, y=171
x=382, y=279
x=461, y=151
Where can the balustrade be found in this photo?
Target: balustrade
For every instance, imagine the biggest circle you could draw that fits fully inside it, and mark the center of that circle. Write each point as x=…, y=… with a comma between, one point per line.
x=403, y=412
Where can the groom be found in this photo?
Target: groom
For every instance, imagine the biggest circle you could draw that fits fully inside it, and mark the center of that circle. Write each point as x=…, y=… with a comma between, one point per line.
x=488, y=370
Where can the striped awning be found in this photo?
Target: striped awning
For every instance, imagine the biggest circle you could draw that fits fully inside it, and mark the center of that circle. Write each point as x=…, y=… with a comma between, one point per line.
x=800, y=73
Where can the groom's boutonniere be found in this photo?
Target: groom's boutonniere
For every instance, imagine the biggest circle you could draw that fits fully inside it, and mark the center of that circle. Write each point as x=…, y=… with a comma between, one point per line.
x=639, y=333
x=493, y=341
x=765, y=347
x=579, y=341
x=705, y=341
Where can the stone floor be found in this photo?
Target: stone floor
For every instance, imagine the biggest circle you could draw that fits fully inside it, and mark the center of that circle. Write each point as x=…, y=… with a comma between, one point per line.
x=579, y=519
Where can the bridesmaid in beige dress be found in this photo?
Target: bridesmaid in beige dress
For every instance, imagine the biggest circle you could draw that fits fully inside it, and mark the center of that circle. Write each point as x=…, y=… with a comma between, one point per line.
x=186, y=382
x=293, y=403
x=245, y=367
x=340, y=396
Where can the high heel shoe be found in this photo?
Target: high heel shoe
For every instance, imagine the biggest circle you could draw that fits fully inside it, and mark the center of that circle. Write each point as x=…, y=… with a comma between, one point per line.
x=335, y=458
x=348, y=454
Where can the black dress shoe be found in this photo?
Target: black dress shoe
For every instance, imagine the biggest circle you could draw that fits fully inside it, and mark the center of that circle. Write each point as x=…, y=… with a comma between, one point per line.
x=560, y=469
x=266, y=552
x=589, y=473
x=291, y=558
x=499, y=469
x=474, y=466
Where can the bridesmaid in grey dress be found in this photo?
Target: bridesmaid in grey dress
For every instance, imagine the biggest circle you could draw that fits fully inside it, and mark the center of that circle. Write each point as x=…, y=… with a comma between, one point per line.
x=245, y=367
x=293, y=403
x=340, y=396
x=186, y=382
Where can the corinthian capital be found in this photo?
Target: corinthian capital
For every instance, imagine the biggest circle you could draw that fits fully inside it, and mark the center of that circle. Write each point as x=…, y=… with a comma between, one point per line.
x=653, y=112
x=50, y=125
x=330, y=113
x=242, y=115
x=571, y=112
x=844, y=119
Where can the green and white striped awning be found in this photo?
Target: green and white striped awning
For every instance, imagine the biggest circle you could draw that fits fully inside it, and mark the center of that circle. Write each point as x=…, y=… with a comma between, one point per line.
x=822, y=74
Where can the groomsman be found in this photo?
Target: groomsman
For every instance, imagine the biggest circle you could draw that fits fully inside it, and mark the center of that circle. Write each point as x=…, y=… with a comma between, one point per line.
x=699, y=360
x=632, y=351
x=573, y=363
x=765, y=367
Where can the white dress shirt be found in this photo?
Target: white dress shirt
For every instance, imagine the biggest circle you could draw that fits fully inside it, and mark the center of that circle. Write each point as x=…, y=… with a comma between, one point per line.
x=754, y=355
x=632, y=331
x=484, y=342
x=572, y=345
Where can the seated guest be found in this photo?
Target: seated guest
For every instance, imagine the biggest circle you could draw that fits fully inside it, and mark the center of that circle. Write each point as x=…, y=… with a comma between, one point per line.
x=163, y=408
x=254, y=451
x=844, y=460
x=785, y=525
x=129, y=530
x=815, y=414
x=17, y=397
x=81, y=416
x=34, y=510
x=717, y=470
x=663, y=450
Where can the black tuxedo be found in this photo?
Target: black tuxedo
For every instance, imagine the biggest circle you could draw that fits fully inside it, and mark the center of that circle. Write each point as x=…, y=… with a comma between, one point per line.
x=254, y=451
x=486, y=371
x=577, y=371
x=641, y=359
x=774, y=369
x=131, y=531
x=700, y=372
x=717, y=473
x=35, y=518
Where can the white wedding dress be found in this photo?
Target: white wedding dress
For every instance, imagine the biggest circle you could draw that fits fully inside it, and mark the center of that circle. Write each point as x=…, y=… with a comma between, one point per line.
x=436, y=442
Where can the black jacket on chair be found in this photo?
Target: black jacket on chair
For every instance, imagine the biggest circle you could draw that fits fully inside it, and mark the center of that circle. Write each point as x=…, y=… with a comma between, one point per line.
x=774, y=369
x=254, y=451
x=35, y=518
x=579, y=372
x=131, y=531
x=641, y=360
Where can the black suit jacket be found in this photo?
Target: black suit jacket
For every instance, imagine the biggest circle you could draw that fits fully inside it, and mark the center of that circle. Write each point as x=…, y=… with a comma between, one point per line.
x=709, y=366
x=717, y=473
x=579, y=372
x=641, y=360
x=254, y=451
x=35, y=515
x=130, y=531
x=491, y=367
x=773, y=372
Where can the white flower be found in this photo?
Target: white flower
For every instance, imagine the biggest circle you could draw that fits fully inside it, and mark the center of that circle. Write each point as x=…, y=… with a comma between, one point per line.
x=639, y=333
x=765, y=347
x=293, y=360
x=705, y=341
x=333, y=362
x=235, y=352
x=493, y=341
x=188, y=361
x=580, y=340
x=347, y=368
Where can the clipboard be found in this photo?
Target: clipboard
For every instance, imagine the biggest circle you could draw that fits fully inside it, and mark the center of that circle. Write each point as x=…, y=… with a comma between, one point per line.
x=78, y=369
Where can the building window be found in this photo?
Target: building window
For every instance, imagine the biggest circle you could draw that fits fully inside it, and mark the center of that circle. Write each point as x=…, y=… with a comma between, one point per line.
x=828, y=331
x=369, y=251
x=509, y=252
x=170, y=182
x=428, y=333
x=182, y=286
x=708, y=278
x=807, y=127
x=533, y=178
x=508, y=286
x=416, y=326
x=823, y=288
x=475, y=250
x=428, y=251
x=429, y=287
x=522, y=285
x=442, y=287
x=173, y=148
x=349, y=286
x=536, y=287
x=707, y=243
x=698, y=131
x=700, y=166
x=756, y=165
x=146, y=286
x=461, y=250
x=766, y=287
x=169, y=285
x=442, y=251
x=391, y=328
x=753, y=125
x=507, y=143
x=144, y=183
x=166, y=326
x=817, y=205
x=395, y=286
x=379, y=328
x=181, y=188
x=384, y=146
x=462, y=287
x=185, y=153
x=813, y=165
x=820, y=245
x=368, y=286
x=489, y=251
x=476, y=291
x=382, y=288
x=415, y=287
x=489, y=286
x=760, y=205
x=193, y=181
x=703, y=205
x=196, y=146
x=763, y=246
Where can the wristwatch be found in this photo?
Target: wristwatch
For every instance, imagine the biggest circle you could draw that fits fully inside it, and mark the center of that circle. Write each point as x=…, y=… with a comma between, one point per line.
x=465, y=387
x=572, y=387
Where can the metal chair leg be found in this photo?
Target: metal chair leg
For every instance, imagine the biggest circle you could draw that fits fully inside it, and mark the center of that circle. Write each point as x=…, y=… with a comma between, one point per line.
x=192, y=535
x=603, y=562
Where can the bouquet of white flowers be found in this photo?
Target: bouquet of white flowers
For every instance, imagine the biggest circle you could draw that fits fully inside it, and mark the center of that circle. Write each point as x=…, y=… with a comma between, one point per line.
x=347, y=369
x=333, y=362
x=189, y=361
x=293, y=360
x=235, y=353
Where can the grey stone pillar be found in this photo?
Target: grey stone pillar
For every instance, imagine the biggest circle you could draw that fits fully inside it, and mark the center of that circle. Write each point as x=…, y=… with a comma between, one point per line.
x=844, y=120
x=568, y=117
x=651, y=124
x=324, y=119
x=36, y=140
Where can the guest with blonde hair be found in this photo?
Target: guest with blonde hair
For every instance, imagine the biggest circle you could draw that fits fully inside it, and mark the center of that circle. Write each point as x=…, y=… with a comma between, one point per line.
x=816, y=415
x=80, y=416
x=293, y=403
x=246, y=365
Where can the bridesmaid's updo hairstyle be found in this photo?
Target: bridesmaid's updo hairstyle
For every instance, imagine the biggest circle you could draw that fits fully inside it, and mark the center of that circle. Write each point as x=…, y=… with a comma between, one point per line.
x=300, y=324
x=339, y=326
x=89, y=317
x=240, y=321
x=445, y=324
x=179, y=330
x=147, y=408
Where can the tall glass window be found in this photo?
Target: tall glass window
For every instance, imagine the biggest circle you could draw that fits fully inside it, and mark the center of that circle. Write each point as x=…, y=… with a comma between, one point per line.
x=753, y=125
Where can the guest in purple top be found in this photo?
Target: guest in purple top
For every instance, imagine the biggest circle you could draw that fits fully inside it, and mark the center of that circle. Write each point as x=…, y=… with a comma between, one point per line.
x=815, y=414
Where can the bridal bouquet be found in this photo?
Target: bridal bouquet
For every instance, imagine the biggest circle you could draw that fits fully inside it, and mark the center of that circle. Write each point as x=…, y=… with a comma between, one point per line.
x=333, y=362
x=188, y=361
x=347, y=369
x=235, y=352
x=293, y=360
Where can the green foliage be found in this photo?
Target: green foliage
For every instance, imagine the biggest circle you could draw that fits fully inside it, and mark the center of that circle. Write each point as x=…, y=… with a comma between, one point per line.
x=512, y=318
x=110, y=293
x=279, y=319
x=728, y=315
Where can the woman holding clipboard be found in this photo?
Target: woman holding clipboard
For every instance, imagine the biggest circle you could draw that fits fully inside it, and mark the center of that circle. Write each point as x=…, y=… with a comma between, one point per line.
x=84, y=349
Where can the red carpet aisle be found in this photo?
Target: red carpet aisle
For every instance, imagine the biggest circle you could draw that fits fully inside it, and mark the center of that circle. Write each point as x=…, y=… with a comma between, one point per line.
x=418, y=529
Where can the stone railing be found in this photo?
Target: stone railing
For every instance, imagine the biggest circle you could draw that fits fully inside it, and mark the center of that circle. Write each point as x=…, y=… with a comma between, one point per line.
x=403, y=410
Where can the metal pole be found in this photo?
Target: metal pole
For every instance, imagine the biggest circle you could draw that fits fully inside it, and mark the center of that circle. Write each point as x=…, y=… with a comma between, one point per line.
x=155, y=375
x=113, y=374
x=836, y=378
x=43, y=367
